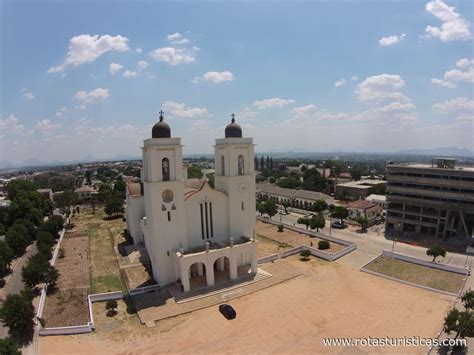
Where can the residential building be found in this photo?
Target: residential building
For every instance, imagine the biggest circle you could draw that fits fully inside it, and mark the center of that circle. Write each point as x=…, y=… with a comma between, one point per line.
x=363, y=208
x=357, y=189
x=380, y=200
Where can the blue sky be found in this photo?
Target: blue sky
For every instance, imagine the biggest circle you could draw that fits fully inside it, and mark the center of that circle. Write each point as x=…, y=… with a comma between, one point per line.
x=83, y=79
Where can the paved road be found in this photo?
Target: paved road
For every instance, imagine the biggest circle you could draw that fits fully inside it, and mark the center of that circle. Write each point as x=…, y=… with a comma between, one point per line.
x=14, y=284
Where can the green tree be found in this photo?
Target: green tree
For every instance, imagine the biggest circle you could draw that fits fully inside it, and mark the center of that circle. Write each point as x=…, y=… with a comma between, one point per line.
x=18, y=238
x=2, y=229
x=16, y=186
x=8, y=347
x=305, y=221
x=459, y=322
x=119, y=187
x=468, y=299
x=270, y=208
x=435, y=251
x=285, y=205
x=317, y=222
x=363, y=222
x=111, y=306
x=65, y=200
x=280, y=228
x=289, y=183
x=320, y=206
x=105, y=191
x=6, y=257
x=114, y=205
x=340, y=212
x=210, y=180
x=17, y=313
x=33, y=273
x=305, y=254
x=44, y=243
x=194, y=172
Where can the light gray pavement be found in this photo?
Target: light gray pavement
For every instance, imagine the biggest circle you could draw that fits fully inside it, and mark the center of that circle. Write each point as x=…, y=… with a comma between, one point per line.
x=13, y=282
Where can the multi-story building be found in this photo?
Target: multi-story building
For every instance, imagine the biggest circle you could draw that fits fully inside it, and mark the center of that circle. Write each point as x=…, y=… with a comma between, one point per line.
x=435, y=200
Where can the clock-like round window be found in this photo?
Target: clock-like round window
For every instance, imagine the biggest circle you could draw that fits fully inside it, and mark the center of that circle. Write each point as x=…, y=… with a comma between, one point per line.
x=167, y=196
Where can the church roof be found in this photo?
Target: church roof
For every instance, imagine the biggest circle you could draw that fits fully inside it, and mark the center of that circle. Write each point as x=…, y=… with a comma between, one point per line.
x=233, y=130
x=161, y=129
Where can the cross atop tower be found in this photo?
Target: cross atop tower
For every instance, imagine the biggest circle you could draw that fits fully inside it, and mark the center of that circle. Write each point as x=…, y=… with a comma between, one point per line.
x=161, y=115
x=233, y=118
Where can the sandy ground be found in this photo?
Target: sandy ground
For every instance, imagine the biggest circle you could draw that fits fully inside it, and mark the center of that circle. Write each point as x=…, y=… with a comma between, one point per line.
x=328, y=300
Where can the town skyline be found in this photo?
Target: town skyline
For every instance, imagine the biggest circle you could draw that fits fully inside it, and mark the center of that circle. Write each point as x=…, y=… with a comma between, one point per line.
x=345, y=77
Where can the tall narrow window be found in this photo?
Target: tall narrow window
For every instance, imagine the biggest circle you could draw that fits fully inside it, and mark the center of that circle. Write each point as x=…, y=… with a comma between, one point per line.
x=202, y=222
x=169, y=216
x=165, y=169
x=241, y=165
x=222, y=166
x=207, y=222
x=210, y=219
x=243, y=206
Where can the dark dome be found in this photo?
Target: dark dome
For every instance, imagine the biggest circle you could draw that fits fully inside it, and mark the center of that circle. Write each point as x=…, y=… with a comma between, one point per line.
x=233, y=130
x=161, y=129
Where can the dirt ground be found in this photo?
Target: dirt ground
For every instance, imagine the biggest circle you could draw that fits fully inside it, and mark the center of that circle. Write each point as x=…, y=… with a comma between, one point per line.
x=292, y=238
x=327, y=300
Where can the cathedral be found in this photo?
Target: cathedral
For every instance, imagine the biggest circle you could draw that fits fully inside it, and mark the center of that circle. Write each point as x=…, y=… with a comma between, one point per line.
x=195, y=234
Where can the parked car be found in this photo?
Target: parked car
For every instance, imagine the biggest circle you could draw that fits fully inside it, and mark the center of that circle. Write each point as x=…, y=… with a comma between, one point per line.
x=338, y=225
x=283, y=213
x=227, y=311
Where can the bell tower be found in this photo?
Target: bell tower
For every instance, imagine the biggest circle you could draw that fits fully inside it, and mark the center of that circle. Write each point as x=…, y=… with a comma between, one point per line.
x=163, y=185
x=235, y=176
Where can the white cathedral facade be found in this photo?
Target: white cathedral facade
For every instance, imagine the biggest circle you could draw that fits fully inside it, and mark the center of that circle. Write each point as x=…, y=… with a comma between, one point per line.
x=189, y=229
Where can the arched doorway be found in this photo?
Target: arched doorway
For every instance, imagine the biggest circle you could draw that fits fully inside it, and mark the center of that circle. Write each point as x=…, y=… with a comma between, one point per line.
x=197, y=275
x=221, y=269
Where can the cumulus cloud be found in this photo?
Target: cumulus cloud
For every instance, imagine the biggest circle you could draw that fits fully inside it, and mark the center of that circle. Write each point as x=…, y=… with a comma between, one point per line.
x=354, y=77
x=114, y=68
x=173, y=56
x=271, y=103
x=215, y=77
x=60, y=112
x=442, y=82
x=129, y=74
x=179, y=110
x=92, y=97
x=87, y=48
x=303, y=110
x=398, y=106
x=340, y=82
x=453, y=26
x=142, y=65
x=10, y=124
x=44, y=127
x=459, y=104
x=391, y=40
x=464, y=63
x=28, y=95
x=378, y=88
x=177, y=38
x=459, y=75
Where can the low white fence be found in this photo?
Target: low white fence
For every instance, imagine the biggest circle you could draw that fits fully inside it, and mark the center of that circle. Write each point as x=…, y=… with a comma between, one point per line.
x=349, y=246
x=144, y=289
x=86, y=328
x=410, y=259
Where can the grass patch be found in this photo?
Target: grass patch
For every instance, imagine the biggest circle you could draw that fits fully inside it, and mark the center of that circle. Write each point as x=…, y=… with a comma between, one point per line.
x=104, y=269
x=418, y=274
x=269, y=240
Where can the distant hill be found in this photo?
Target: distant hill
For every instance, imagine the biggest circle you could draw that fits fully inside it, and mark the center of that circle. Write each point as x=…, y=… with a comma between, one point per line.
x=443, y=151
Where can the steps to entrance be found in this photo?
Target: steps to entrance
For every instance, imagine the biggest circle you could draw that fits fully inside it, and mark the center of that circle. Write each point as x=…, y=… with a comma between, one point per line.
x=181, y=297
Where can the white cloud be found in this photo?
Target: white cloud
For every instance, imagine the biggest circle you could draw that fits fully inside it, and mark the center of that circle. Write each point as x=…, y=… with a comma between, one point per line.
x=442, y=82
x=173, y=56
x=10, y=124
x=44, y=127
x=303, y=110
x=459, y=104
x=86, y=49
x=340, y=82
x=459, y=75
x=138, y=50
x=60, y=112
x=391, y=40
x=453, y=27
x=142, y=64
x=354, y=77
x=28, y=95
x=398, y=106
x=215, y=77
x=129, y=74
x=176, y=109
x=382, y=87
x=270, y=103
x=92, y=97
x=464, y=63
x=177, y=38
x=114, y=68
x=199, y=124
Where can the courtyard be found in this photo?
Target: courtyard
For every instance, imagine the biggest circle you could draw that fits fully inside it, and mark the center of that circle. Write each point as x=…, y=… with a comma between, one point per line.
x=325, y=300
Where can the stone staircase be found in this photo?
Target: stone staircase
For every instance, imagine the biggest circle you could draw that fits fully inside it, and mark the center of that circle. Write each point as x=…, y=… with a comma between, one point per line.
x=226, y=286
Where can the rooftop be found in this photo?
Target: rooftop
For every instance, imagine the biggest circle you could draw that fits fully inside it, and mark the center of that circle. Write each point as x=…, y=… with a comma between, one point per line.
x=291, y=193
x=430, y=166
x=362, y=184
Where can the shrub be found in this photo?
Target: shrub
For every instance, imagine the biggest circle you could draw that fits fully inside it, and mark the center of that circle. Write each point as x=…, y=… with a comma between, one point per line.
x=323, y=244
x=305, y=254
x=110, y=306
x=280, y=228
x=61, y=253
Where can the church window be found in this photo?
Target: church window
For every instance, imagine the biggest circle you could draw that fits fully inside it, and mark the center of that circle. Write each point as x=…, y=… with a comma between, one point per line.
x=241, y=164
x=165, y=169
x=202, y=221
x=210, y=218
x=222, y=165
x=243, y=209
x=207, y=224
x=169, y=216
